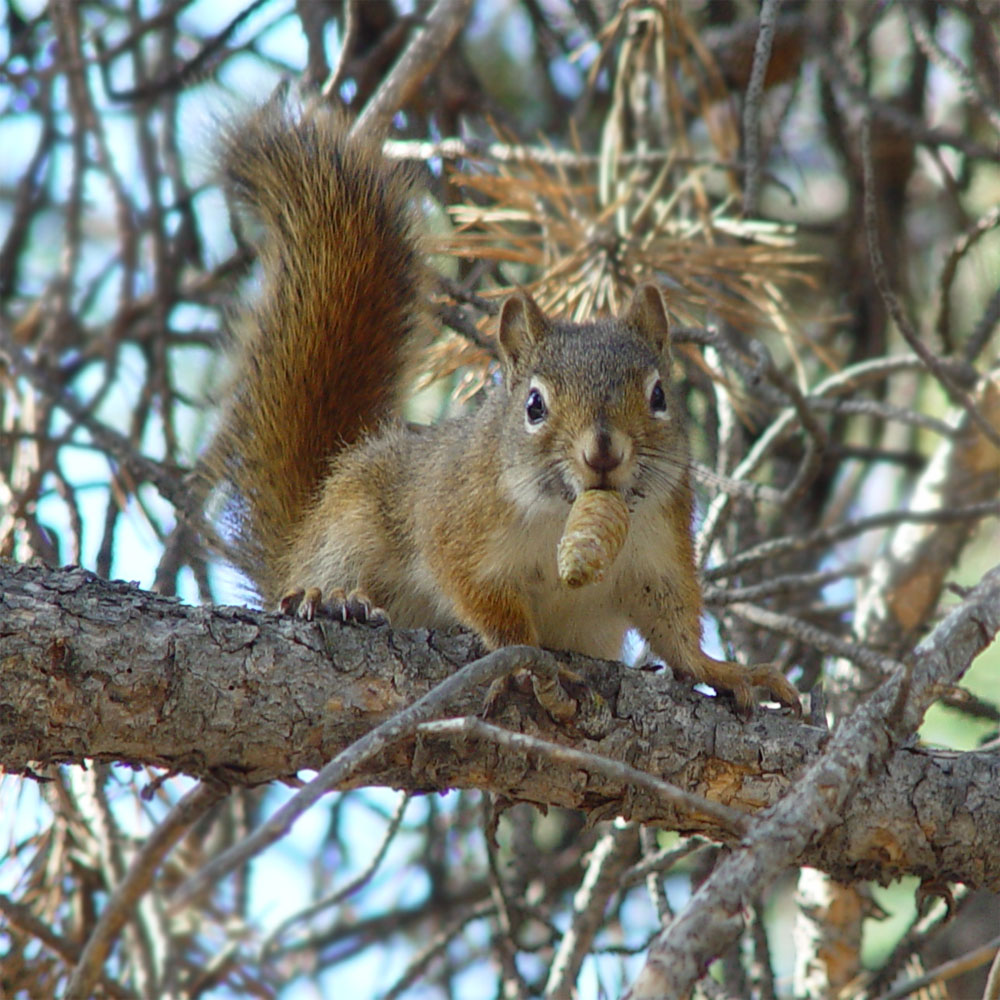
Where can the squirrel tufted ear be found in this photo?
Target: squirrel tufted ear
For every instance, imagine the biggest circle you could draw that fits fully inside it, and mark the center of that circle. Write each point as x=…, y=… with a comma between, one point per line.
x=646, y=313
x=522, y=324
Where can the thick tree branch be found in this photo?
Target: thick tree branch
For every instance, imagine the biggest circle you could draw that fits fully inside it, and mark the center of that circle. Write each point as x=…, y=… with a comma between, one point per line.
x=92, y=669
x=476, y=676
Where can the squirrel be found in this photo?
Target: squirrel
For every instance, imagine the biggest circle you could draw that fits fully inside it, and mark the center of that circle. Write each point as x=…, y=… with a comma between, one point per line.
x=341, y=508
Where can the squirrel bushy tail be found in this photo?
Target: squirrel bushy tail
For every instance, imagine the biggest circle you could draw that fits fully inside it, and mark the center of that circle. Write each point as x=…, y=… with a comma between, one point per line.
x=320, y=353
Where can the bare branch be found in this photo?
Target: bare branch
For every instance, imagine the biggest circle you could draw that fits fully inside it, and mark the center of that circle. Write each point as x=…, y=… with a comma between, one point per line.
x=607, y=862
x=137, y=880
x=421, y=55
x=473, y=677
x=900, y=317
x=125, y=675
x=948, y=970
x=713, y=918
x=671, y=795
x=21, y=917
x=751, y=106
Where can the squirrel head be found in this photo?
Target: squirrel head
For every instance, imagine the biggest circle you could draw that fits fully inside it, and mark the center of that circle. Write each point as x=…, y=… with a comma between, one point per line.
x=590, y=405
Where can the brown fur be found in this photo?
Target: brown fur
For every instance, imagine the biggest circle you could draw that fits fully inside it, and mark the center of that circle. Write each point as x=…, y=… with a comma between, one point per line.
x=319, y=354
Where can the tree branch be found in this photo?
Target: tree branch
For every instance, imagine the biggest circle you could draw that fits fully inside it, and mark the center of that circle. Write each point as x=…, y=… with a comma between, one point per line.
x=421, y=56
x=863, y=743
x=101, y=670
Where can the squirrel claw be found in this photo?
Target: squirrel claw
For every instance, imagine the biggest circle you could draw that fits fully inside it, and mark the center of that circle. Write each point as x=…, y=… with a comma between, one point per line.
x=772, y=680
x=357, y=607
x=291, y=601
x=340, y=605
x=765, y=677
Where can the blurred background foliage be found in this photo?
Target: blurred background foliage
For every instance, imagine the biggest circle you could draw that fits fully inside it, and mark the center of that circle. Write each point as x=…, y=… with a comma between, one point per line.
x=826, y=222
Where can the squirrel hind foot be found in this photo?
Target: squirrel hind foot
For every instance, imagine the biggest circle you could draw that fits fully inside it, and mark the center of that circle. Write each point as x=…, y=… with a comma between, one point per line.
x=354, y=606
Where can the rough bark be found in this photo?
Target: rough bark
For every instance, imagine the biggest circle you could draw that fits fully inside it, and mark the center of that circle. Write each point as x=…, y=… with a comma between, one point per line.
x=99, y=670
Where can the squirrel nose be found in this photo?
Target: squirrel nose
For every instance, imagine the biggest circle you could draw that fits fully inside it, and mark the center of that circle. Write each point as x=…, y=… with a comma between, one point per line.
x=600, y=457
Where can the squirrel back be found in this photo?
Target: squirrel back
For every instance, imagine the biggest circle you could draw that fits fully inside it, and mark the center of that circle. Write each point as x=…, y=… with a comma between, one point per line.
x=318, y=353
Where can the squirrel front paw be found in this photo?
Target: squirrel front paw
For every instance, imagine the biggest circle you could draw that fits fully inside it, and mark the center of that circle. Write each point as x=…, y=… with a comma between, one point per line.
x=776, y=684
x=740, y=681
x=340, y=605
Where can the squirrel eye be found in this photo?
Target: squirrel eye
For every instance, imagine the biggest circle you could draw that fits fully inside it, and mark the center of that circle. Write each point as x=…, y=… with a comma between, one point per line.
x=535, y=408
x=657, y=398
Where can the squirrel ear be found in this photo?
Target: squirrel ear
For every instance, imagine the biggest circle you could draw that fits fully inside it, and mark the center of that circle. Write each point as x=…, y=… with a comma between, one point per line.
x=522, y=324
x=646, y=313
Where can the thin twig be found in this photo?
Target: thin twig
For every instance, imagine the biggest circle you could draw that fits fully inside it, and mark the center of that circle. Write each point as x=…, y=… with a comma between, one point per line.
x=169, y=484
x=961, y=247
x=913, y=942
x=812, y=635
x=651, y=875
x=609, y=858
x=504, y=942
x=90, y=788
x=437, y=944
x=670, y=795
x=983, y=330
x=840, y=382
x=801, y=584
x=938, y=55
x=884, y=411
x=751, y=104
x=762, y=954
x=470, y=148
x=346, y=891
x=892, y=303
x=137, y=880
x=661, y=861
x=20, y=916
x=900, y=120
x=992, y=989
x=184, y=72
x=824, y=538
x=348, y=35
x=948, y=970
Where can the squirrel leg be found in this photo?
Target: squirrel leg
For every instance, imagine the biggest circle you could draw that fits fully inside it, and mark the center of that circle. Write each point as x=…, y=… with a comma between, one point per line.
x=353, y=606
x=500, y=616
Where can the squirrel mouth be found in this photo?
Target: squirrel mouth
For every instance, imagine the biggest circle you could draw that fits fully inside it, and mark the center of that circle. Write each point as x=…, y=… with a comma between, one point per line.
x=603, y=486
x=603, y=483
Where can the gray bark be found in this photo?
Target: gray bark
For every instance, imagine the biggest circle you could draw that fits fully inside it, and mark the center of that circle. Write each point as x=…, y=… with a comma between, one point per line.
x=91, y=669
